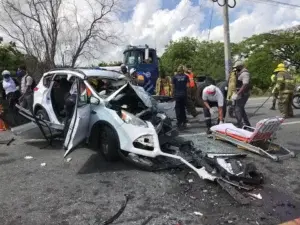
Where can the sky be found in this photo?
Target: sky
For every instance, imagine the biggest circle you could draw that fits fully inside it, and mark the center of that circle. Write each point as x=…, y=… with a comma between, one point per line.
x=156, y=22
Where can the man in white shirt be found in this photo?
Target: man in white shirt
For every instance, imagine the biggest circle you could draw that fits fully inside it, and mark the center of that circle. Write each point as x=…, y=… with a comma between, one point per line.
x=213, y=97
x=8, y=83
x=26, y=99
x=11, y=94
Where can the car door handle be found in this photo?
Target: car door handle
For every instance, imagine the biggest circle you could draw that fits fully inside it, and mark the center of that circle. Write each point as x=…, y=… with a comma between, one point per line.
x=93, y=112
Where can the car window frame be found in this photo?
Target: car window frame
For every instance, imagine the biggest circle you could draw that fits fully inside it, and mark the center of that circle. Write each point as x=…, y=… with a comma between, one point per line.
x=79, y=96
x=44, y=79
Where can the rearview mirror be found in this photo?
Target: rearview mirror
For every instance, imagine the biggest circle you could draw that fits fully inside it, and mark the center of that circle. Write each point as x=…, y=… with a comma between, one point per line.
x=94, y=100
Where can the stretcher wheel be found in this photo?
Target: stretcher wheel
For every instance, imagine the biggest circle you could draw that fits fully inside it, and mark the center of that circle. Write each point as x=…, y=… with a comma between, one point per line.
x=293, y=155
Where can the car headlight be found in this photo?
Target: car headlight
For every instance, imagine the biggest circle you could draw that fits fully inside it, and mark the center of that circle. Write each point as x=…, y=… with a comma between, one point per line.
x=145, y=142
x=132, y=119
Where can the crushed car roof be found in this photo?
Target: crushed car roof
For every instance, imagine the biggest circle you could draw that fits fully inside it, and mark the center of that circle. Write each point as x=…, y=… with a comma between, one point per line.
x=102, y=73
x=92, y=72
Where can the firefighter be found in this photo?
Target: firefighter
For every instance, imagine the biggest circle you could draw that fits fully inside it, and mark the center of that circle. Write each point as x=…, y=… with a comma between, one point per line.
x=275, y=93
x=191, y=92
x=242, y=94
x=213, y=97
x=133, y=76
x=231, y=84
x=285, y=85
x=163, y=86
x=180, y=84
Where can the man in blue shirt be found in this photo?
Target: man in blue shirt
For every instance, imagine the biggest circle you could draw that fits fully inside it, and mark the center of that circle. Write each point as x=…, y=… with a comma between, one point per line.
x=180, y=82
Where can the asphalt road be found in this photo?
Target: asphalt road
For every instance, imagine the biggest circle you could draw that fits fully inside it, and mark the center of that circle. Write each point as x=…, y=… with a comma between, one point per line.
x=88, y=190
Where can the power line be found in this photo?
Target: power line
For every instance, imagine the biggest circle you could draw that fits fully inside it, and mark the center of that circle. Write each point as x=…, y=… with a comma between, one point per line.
x=210, y=22
x=276, y=3
x=282, y=3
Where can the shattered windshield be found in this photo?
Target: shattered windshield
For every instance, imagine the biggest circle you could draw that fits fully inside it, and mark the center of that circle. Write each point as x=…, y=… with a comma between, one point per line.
x=105, y=86
x=148, y=100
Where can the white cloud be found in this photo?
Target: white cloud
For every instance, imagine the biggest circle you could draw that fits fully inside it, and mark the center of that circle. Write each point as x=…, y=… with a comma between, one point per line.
x=155, y=26
x=152, y=25
x=261, y=18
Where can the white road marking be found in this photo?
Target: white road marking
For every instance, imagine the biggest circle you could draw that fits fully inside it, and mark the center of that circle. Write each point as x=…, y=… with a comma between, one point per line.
x=258, y=99
x=193, y=135
x=258, y=104
x=291, y=123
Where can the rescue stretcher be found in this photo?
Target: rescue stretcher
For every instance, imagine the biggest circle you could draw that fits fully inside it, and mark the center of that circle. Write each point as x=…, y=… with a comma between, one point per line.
x=258, y=139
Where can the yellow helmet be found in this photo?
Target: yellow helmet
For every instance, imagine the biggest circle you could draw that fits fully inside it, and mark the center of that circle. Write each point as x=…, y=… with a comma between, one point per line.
x=280, y=67
x=93, y=82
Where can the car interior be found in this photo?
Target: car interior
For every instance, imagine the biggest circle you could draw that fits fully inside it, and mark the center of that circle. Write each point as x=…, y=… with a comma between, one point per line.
x=107, y=85
x=128, y=97
x=61, y=89
x=59, y=92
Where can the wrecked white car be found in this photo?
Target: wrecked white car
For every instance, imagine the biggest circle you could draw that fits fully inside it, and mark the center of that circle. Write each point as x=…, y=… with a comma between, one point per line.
x=121, y=120
x=107, y=115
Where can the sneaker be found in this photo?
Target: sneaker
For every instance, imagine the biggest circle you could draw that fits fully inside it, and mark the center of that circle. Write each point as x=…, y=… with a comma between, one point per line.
x=272, y=108
x=208, y=131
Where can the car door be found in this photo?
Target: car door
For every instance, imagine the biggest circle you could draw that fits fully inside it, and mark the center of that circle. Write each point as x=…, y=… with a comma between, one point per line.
x=46, y=101
x=79, y=125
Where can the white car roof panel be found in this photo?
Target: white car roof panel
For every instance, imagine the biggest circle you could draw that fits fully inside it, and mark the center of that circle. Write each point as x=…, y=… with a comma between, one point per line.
x=102, y=73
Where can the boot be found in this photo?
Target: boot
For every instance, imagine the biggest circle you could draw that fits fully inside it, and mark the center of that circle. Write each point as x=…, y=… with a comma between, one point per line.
x=208, y=126
x=273, y=105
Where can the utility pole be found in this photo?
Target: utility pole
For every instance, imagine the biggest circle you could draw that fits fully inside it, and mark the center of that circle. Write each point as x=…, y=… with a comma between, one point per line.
x=227, y=49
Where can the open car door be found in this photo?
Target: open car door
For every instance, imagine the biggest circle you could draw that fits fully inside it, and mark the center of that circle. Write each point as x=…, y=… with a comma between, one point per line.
x=37, y=128
x=79, y=125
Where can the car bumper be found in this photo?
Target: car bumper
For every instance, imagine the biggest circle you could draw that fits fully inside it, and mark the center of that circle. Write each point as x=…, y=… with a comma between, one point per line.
x=139, y=140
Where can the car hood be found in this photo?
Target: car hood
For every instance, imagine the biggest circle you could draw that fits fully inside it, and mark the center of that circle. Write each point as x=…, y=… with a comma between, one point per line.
x=141, y=93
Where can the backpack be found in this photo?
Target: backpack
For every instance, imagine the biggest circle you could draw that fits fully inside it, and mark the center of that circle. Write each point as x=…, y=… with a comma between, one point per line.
x=33, y=85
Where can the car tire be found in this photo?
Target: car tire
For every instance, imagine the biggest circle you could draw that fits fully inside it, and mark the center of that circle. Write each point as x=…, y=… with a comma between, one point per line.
x=42, y=114
x=109, y=145
x=296, y=98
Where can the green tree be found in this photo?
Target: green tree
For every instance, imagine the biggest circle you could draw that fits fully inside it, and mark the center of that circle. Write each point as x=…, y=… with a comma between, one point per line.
x=206, y=58
x=261, y=65
x=179, y=52
x=10, y=57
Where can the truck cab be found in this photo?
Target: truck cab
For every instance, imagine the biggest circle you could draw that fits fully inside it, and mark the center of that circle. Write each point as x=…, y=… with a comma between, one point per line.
x=144, y=60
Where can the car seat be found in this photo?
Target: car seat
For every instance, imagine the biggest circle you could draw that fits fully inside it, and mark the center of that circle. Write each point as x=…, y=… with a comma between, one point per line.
x=59, y=95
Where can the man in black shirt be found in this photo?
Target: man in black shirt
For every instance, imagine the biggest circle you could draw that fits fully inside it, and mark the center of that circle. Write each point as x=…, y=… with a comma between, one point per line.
x=180, y=82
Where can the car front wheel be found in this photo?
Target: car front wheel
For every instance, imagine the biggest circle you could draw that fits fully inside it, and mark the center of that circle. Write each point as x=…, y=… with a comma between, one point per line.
x=108, y=143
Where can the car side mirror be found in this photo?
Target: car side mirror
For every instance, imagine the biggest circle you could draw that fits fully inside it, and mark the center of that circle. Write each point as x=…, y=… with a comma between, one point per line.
x=94, y=100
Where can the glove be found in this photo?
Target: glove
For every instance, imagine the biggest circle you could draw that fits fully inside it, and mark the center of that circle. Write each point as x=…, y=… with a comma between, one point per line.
x=212, y=111
x=234, y=97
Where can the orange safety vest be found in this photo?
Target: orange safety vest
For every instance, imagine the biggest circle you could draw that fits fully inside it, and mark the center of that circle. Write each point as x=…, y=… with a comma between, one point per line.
x=88, y=92
x=191, y=78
